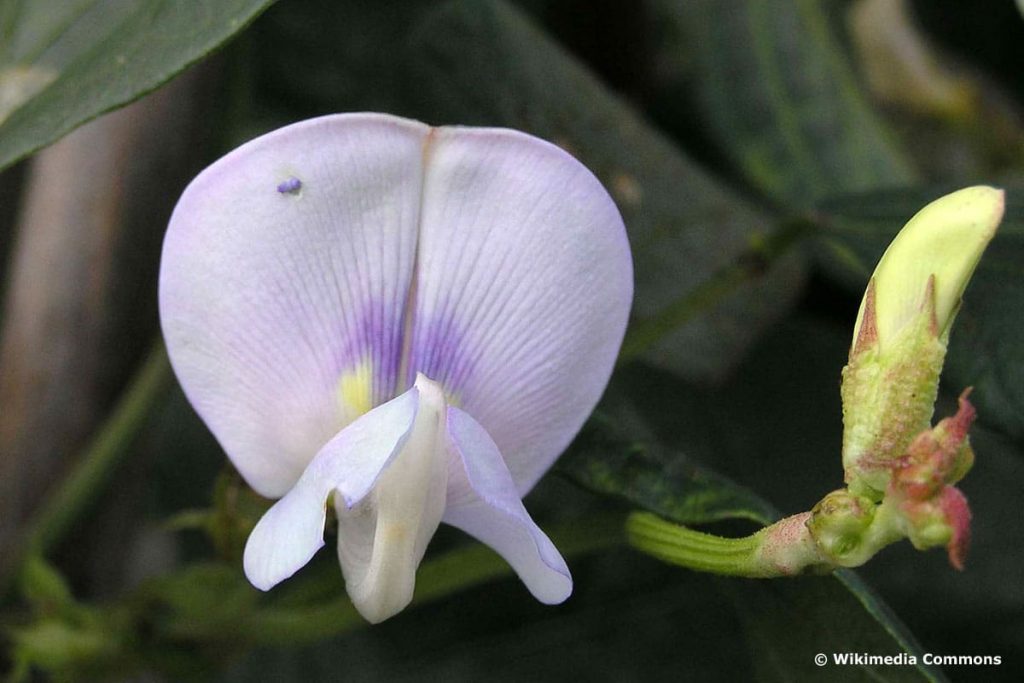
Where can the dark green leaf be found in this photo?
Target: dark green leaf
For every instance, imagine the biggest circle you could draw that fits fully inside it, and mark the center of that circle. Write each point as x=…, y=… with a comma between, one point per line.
x=64, y=63
x=202, y=601
x=774, y=428
x=333, y=56
x=640, y=471
x=484, y=63
x=985, y=346
x=778, y=95
x=823, y=615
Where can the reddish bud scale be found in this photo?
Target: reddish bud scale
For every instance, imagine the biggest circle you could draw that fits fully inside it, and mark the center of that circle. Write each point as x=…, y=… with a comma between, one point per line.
x=934, y=456
x=958, y=515
x=867, y=335
x=922, y=480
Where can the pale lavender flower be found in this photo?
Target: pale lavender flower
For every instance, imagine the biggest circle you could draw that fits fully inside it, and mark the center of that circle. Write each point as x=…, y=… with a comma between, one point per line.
x=411, y=322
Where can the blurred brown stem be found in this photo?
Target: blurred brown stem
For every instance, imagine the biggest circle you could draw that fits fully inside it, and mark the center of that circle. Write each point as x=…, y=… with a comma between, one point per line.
x=80, y=305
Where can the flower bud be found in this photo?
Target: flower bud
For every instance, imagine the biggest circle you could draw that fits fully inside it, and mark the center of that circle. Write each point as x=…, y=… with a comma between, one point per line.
x=899, y=341
x=944, y=241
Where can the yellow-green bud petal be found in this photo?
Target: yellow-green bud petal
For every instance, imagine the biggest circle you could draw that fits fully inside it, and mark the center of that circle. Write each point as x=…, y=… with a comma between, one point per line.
x=945, y=240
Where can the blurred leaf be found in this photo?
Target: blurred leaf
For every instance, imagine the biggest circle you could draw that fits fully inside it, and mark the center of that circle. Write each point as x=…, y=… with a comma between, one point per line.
x=957, y=122
x=985, y=346
x=484, y=63
x=991, y=39
x=778, y=95
x=203, y=598
x=66, y=649
x=837, y=614
x=64, y=63
x=42, y=585
x=899, y=64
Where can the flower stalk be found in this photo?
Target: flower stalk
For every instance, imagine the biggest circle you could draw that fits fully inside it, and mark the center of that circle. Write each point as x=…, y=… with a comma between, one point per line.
x=782, y=549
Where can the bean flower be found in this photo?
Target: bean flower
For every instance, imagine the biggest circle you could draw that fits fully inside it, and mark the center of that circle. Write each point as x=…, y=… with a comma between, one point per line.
x=410, y=323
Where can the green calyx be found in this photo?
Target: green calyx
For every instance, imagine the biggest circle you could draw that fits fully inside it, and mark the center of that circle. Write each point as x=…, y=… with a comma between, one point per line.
x=889, y=396
x=839, y=523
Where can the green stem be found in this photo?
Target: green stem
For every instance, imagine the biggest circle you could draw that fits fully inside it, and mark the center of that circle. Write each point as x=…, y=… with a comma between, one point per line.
x=785, y=548
x=832, y=535
x=95, y=467
x=693, y=549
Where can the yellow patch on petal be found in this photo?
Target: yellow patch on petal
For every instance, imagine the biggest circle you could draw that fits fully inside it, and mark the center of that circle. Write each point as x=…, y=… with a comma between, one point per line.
x=355, y=389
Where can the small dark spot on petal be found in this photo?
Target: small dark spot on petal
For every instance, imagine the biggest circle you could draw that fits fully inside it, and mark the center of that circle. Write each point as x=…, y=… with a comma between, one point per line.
x=290, y=186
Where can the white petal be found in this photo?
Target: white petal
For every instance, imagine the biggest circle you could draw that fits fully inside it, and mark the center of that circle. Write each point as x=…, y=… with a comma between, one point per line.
x=484, y=503
x=382, y=539
x=282, y=303
x=524, y=289
x=291, y=531
x=286, y=537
